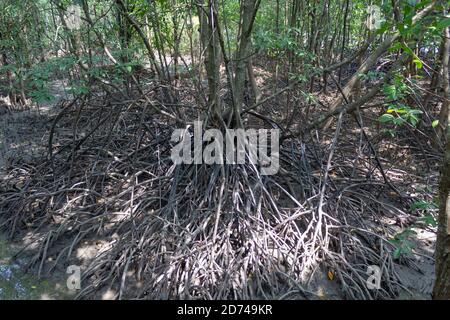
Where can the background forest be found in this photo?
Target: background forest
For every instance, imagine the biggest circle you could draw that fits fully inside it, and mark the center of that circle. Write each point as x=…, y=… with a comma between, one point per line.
x=91, y=91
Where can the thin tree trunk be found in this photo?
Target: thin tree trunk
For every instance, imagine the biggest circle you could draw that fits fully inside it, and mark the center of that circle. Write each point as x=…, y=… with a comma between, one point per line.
x=444, y=114
x=252, y=80
x=210, y=42
x=434, y=82
x=442, y=284
x=248, y=15
x=344, y=33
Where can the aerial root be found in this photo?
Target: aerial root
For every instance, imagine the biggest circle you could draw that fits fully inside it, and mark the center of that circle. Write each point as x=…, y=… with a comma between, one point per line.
x=191, y=231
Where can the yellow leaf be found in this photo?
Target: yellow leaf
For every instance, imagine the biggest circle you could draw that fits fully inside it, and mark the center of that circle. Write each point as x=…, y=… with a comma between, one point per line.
x=330, y=275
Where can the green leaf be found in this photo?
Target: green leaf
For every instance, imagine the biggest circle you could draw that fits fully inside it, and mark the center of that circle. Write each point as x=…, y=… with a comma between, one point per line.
x=429, y=220
x=408, y=246
x=402, y=236
x=421, y=204
x=399, y=121
x=418, y=63
x=413, y=120
x=390, y=132
x=435, y=123
x=407, y=49
x=386, y=118
x=397, y=253
x=415, y=111
x=444, y=23
x=396, y=46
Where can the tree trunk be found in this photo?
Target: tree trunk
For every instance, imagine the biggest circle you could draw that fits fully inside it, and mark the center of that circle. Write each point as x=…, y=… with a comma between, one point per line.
x=210, y=41
x=434, y=82
x=344, y=40
x=248, y=14
x=442, y=284
x=444, y=114
x=252, y=80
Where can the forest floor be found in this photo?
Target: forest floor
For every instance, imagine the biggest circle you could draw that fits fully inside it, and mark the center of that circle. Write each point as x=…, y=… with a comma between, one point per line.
x=23, y=137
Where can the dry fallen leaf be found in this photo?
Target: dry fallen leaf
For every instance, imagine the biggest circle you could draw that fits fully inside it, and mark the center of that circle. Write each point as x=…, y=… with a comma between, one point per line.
x=330, y=275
